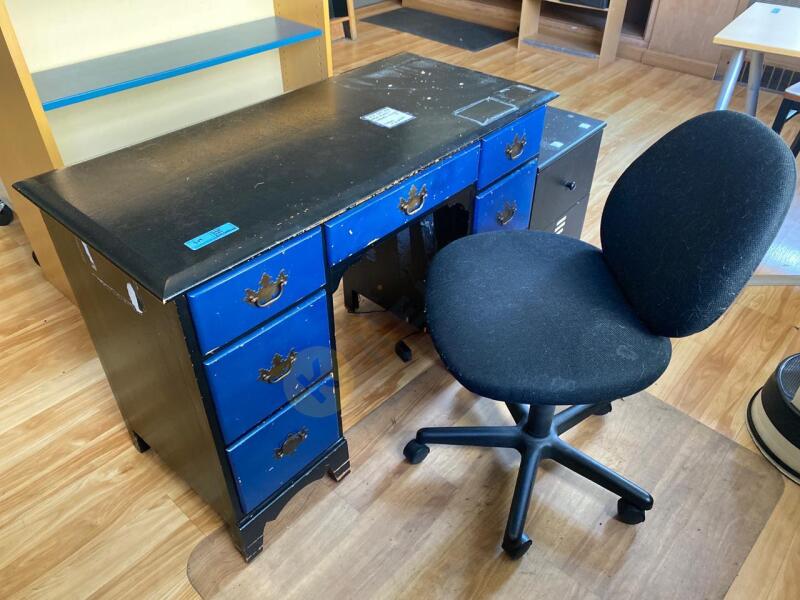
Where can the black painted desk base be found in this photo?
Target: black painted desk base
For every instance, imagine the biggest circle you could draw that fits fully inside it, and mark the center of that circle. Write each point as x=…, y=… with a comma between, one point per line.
x=249, y=536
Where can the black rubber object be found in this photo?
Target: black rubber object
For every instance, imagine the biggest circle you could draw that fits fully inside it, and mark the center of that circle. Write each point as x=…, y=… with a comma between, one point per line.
x=629, y=513
x=603, y=409
x=403, y=351
x=516, y=549
x=415, y=452
x=6, y=214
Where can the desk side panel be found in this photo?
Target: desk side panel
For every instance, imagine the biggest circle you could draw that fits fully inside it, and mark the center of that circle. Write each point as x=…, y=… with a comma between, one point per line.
x=145, y=357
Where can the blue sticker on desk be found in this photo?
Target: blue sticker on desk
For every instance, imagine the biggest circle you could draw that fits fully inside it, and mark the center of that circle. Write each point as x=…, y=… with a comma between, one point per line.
x=775, y=11
x=209, y=237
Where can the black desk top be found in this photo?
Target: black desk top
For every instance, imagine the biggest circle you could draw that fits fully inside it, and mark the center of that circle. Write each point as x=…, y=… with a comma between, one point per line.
x=274, y=169
x=563, y=130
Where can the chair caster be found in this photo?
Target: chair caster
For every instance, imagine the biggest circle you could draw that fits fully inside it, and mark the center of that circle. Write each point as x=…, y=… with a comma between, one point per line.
x=6, y=215
x=516, y=549
x=415, y=452
x=603, y=409
x=403, y=351
x=629, y=513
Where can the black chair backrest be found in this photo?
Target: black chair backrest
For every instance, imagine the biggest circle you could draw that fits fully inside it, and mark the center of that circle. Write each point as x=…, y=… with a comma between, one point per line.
x=689, y=221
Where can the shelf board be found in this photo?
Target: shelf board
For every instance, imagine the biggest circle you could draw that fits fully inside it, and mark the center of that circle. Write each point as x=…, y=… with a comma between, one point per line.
x=79, y=82
x=558, y=17
x=577, y=5
x=577, y=46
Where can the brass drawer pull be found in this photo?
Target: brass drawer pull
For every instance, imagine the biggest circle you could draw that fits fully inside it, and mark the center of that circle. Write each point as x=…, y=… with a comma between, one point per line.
x=509, y=210
x=268, y=291
x=292, y=442
x=415, y=200
x=515, y=148
x=280, y=368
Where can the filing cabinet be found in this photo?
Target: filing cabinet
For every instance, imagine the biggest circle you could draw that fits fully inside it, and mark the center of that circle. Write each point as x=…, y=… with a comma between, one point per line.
x=567, y=162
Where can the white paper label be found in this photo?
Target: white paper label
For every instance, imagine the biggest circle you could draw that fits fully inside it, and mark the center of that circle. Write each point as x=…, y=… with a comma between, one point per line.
x=388, y=117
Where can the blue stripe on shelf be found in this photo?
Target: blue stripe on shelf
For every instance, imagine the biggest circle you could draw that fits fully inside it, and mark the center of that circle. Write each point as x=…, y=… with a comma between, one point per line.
x=98, y=77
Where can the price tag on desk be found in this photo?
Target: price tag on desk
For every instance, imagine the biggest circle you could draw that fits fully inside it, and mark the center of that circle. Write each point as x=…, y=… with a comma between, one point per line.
x=388, y=117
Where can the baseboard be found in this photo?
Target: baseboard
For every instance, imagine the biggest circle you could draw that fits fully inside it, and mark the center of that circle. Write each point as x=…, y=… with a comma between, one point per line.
x=679, y=63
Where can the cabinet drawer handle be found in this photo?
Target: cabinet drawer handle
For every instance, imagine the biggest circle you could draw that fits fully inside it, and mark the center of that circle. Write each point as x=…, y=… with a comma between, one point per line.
x=570, y=185
x=509, y=210
x=280, y=368
x=415, y=200
x=268, y=291
x=515, y=148
x=291, y=443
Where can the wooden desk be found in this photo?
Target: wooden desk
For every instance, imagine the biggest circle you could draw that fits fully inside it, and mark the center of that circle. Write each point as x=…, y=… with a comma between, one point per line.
x=204, y=262
x=761, y=29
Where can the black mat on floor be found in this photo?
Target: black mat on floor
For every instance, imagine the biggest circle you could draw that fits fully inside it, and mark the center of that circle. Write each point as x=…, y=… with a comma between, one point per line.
x=453, y=32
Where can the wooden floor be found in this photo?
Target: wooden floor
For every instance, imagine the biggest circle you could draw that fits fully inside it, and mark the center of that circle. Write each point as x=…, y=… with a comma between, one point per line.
x=83, y=515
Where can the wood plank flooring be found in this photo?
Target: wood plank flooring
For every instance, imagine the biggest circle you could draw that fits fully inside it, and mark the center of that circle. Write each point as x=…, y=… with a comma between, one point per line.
x=83, y=515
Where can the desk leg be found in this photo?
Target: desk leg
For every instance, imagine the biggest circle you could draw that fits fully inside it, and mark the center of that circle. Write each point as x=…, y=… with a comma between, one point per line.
x=729, y=81
x=754, y=81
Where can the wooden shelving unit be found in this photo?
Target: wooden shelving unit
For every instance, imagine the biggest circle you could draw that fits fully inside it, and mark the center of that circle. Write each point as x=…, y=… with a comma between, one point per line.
x=344, y=22
x=561, y=24
x=84, y=81
x=611, y=21
x=31, y=104
x=673, y=34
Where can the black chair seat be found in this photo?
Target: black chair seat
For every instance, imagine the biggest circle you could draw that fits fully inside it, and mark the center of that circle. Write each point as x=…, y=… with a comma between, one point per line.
x=536, y=318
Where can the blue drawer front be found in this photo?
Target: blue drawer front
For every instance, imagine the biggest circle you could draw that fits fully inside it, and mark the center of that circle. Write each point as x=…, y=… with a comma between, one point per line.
x=512, y=146
x=220, y=308
x=508, y=203
x=258, y=374
x=358, y=228
x=281, y=448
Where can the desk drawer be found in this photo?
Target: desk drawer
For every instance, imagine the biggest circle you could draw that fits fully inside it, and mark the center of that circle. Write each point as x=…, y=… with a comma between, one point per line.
x=235, y=302
x=512, y=146
x=564, y=182
x=507, y=204
x=257, y=375
x=275, y=452
x=360, y=227
x=570, y=223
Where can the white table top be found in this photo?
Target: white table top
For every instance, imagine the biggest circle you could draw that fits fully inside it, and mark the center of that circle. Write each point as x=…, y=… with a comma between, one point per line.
x=766, y=28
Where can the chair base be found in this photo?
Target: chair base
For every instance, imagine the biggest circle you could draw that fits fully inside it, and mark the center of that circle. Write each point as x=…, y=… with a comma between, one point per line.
x=536, y=438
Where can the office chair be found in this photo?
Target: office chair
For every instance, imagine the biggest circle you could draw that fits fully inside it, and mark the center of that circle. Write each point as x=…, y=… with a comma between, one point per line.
x=536, y=320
